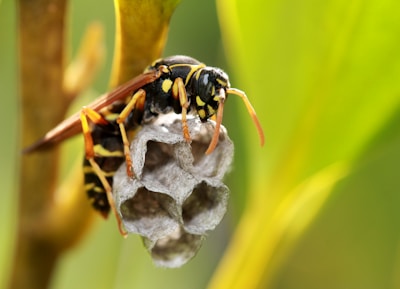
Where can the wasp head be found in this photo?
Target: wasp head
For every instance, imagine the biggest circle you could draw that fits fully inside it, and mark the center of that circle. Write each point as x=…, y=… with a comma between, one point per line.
x=209, y=88
x=209, y=91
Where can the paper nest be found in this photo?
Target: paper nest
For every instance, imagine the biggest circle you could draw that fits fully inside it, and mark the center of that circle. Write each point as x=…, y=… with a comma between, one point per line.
x=177, y=194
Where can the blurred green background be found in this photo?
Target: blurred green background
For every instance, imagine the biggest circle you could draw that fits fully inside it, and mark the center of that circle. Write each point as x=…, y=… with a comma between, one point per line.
x=318, y=206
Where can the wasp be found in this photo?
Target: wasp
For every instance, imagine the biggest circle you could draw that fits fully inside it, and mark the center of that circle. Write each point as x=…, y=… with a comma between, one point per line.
x=178, y=83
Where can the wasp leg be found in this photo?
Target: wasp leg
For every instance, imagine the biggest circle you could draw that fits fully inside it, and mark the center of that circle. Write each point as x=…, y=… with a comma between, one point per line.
x=179, y=92
x=137, y=100
x=108, y=189
x=218, y=121
x=98, y=119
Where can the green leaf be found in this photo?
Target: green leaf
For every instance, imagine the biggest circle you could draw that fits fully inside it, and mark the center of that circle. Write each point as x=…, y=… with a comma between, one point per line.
x=142, y=29
x=354, y=241
x=323, y=77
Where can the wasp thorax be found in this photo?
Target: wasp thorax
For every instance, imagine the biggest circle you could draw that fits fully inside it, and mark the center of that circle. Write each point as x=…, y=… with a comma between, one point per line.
x=206, y=90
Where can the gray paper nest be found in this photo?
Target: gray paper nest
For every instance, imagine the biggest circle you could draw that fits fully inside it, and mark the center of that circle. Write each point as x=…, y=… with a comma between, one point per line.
x=177, y=194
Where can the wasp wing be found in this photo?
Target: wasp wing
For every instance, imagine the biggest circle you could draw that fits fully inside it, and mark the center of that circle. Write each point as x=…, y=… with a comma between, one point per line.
x=72, y=125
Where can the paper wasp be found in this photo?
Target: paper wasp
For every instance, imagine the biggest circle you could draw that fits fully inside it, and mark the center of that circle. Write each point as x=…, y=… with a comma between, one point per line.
x=179, y=83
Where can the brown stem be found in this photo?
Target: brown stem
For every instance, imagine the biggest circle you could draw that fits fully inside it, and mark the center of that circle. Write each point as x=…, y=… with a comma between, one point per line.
x=41, y=61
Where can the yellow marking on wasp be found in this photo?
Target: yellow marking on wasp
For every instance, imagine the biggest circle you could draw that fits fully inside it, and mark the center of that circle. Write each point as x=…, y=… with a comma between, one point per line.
x=193, y=69
x=108, y=174
x=94, y=187
x=89, y=186
x=87, y=169
x=152, y=65
x=166, y=85
x=216, y=98
x=213, y=90
x=222, y=82
x=197, y=75
x=111, y=116
x=90, y=170
x=99, y=189
x=211, y=110
x=202, y=113
x=199, y=101
x=101, y=151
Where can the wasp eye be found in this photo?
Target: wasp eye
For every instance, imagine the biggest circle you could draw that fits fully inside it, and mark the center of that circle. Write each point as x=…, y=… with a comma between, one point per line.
x=210, y=91
x=206, y=88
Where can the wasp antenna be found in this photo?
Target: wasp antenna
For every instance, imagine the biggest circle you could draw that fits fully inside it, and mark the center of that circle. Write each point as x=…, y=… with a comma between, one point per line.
x=251, y=111
x=218, y=121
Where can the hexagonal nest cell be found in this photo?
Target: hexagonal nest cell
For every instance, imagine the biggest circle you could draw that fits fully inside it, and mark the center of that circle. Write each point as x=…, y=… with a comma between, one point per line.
x=177, y=194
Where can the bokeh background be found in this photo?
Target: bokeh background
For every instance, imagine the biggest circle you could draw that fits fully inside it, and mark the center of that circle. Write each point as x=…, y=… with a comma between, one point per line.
x=318, y=206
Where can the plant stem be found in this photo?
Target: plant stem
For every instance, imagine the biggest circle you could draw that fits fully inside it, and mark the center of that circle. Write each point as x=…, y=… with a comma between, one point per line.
x=41, y=62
